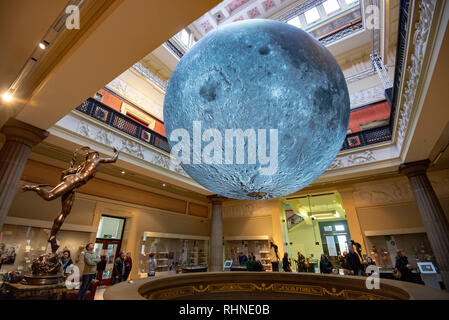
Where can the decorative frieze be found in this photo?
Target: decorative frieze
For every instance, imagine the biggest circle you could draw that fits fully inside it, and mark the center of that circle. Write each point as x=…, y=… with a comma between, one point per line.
x=109, y=137
x=413, y=75
x=367, y=96
x=353, y=159
x=126, y=91
x=249, y=209
x=397, y=190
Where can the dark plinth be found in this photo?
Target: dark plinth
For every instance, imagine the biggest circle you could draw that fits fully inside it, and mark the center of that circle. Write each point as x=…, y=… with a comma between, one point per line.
x=43, y=280
x=20, y=291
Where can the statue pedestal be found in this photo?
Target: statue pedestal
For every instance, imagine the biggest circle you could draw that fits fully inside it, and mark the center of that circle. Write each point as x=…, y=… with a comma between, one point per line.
x=21, y=291
x=43, y=280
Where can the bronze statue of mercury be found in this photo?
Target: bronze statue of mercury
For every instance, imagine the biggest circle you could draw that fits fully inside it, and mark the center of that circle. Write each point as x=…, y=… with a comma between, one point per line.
x=71, y=179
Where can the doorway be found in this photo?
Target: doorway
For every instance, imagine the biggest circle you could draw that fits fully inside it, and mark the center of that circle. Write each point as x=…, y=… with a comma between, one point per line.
x=108, y=244
x=315, y=224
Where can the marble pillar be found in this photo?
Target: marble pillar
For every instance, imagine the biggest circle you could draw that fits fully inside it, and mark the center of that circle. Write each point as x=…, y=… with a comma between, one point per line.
x=216, y=234
x=19, y=139
x=432, y=214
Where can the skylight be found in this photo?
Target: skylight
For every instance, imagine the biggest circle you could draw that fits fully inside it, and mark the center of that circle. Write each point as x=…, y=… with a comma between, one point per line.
x=184, y=37
x=295, y=22
x=331, y=6
x=312, y=15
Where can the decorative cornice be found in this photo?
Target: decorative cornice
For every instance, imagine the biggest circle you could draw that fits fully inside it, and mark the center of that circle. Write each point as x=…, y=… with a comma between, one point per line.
x=353, y=159
x=94, y=131
x=396, y=190
x=126, y=91
x=15, y=130
x=248, y=209
x=154, y=79
x=413, y=73
x=367, y=96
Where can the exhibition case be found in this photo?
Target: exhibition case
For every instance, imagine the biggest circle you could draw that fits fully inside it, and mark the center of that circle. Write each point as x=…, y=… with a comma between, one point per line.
x=173, y=252
x=19, y=245
x=257, y=245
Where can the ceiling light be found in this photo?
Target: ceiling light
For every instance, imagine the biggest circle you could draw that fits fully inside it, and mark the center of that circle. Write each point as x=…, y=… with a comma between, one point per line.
x=7, y=97
x=164, y=185
x=42, y=46
x=123, y=172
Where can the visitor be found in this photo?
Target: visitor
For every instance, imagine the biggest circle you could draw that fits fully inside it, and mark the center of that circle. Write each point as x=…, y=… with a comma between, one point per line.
x=403, y=267
x=242, y=259
x=325, y=265
x=128, y=265
x=301, y=263
x=369, y=262
x=118, y=273
x=353, y=263
x=152, y=265
x=258, y=266
x=286, y=263
x=250, y=263
x=66, y=260
x=101, y=266
x=90, y=267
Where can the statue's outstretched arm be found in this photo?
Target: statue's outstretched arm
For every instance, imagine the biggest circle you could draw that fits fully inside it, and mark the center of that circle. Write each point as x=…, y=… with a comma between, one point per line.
x=111, y=160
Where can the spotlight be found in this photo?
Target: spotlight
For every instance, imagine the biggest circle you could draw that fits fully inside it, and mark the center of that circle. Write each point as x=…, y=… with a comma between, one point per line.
x=7, y=97
x=164, y=185
x=42, y=46
x=123, y=172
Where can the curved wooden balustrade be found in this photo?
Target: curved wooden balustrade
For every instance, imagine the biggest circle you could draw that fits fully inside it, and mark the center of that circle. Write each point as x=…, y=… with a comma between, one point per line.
x=267, y=285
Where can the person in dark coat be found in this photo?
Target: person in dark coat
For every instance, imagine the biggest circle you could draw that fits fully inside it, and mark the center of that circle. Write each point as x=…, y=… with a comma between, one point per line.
x=286, y=263
x=301, y=263
x=118, y=272
x=258, y=266
x=325, y=265
x=403, y=266
x=353, y=262
x=128, y=266
x=243, y=259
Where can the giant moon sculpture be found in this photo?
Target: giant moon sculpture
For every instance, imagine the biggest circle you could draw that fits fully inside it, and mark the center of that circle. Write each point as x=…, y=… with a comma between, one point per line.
x=274, y=82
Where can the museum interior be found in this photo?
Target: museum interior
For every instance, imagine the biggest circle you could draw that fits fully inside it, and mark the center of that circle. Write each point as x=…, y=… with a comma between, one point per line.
x=93, y=74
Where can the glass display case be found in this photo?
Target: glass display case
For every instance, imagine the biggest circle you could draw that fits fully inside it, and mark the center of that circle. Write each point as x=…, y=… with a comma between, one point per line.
x=259, y=246
x=19, y=245
x=173, y=252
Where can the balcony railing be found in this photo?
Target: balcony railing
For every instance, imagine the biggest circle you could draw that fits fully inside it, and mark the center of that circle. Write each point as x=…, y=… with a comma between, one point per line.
x=117, y=120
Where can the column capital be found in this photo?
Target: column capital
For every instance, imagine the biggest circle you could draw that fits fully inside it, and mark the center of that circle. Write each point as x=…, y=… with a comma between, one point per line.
x=16, y=130
x=216, y=199
x=416, y=168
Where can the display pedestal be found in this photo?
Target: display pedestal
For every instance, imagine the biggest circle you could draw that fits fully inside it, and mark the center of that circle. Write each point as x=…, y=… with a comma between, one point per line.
x=20, y=291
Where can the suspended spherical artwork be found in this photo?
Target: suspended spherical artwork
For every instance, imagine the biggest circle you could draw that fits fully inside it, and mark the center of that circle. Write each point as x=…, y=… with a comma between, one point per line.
x=256, y=109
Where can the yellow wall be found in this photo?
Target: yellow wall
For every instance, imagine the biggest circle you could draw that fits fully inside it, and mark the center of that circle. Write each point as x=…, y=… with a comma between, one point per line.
x=303, y=239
